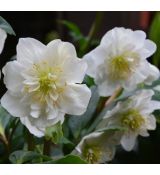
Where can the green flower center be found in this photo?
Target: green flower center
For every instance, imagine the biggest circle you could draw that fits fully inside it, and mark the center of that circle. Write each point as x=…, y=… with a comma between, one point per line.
x=45, y=81
x=132, y=119
x=119, y=68
x=92, y=154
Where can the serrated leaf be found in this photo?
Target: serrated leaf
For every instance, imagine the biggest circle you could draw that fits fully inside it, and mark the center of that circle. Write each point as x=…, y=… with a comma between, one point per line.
x=54, y=133
x=6, y=26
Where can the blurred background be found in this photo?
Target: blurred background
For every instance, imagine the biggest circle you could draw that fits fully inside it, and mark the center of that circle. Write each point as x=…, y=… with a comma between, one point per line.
x=75, y=27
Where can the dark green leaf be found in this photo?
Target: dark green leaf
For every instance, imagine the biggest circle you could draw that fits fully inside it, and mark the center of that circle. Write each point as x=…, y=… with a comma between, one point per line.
x=4, y=120
x=69, y=159
x=6, y=26
x=154, y=35
x=77, y=123
x=19, y=157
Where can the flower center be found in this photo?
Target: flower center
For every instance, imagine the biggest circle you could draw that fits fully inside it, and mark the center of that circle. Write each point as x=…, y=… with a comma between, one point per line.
x=119, y=68
x=44, y=81
x=92, y=154
x=132, y=119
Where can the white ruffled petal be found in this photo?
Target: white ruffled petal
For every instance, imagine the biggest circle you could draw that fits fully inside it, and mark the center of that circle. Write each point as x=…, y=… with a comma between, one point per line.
x=153, y=74
x=64, y=55
x=13, y=105
x=75, y=99
x=105, y=89
x=29, y=51
x=128, y=141
x=12, y=76
x=94, y=59
x=148, y=49
x=31, y=127
x=151, y=122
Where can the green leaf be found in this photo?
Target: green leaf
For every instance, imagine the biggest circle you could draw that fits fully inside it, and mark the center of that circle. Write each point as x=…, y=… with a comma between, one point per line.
x=6, y=26
x=77, y=123
x=89, y=81
x=54, y=133
x=154, y=35
x=4, y=120
x=71, y=26
x=69, y=159
x=115, y=128
x=19, y=157
x=157, y=115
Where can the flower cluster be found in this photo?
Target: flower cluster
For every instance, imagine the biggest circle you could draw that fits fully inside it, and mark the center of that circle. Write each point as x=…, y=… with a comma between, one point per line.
x=120, y=61
x=46, y=82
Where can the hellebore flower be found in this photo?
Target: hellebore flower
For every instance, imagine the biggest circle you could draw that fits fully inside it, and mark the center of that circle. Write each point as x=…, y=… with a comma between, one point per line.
x=120, y=61
x=44, y=83
x=134, y=115
x=98, y=147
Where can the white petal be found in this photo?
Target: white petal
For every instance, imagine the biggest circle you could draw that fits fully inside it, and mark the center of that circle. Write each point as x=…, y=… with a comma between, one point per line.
x=64, y=55
x=75, y=99
x=35, y=113
x=53, y=113
x=74, y=70
x=12, y=76
x=151, y=122
x=154, y=74
x=142, y=97
x=29, y=50
x=32, y=128
x=60, y=51
x=128, y=141
x=148, y=49
x=94, y=59
x=144, y=133
x=3, y=37
x=13, y=105
x=105, y=89
x=150, y=107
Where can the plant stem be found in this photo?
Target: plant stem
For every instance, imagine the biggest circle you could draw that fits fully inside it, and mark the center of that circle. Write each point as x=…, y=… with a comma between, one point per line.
x=46, y=147
x=114, y=96
x=13, y=130
x=94, y=29
x=31, y=143
x=103, y=103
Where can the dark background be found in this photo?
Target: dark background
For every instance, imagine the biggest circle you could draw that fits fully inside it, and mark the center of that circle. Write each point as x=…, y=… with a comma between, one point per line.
x=39, y=24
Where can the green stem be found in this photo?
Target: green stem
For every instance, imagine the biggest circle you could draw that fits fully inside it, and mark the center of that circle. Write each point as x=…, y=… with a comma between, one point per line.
x=30, y=141
x=46, y=147
x=93, y=31
x=116, y=93
x=103, y=104
x=13, y=130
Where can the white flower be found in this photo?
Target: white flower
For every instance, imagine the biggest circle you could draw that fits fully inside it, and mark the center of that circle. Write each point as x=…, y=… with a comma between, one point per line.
x=44, y=83
x=120, y=61
x=3, y=37
x=135, y=115
x=98, y=147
